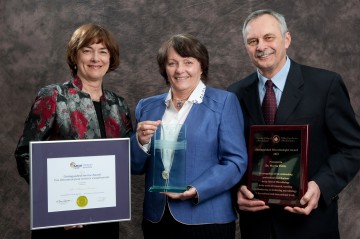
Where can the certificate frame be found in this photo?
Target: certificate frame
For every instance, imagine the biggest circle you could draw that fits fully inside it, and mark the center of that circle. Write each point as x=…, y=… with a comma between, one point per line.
x=278, y=163
x=42, y=151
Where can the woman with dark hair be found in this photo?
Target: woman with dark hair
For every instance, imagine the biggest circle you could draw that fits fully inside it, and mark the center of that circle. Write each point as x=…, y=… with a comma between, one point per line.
x=78, y=109
x=214, y=153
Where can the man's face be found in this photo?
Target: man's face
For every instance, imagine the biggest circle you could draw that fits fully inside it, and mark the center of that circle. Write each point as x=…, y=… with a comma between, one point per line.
x=266, y=45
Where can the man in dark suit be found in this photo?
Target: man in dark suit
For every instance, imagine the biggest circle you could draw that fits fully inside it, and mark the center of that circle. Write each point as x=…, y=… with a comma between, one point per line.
x=304, y=95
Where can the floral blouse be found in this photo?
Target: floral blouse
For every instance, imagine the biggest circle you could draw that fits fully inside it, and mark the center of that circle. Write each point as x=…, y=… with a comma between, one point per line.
x=64, y=112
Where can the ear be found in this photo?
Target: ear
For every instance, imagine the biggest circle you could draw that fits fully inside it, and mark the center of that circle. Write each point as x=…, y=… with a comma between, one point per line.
x=287, y=40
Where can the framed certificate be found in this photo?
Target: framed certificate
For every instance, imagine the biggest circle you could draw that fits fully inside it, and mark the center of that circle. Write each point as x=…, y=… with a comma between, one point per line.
x=278, y=163
x=79, y=182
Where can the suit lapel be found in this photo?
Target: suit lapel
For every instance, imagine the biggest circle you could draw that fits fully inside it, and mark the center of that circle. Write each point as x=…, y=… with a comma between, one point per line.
x=292, y=94
x=252, y=102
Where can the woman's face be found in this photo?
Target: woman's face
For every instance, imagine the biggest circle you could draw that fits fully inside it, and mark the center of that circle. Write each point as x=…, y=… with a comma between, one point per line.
x=93, y=62
x=184, y=73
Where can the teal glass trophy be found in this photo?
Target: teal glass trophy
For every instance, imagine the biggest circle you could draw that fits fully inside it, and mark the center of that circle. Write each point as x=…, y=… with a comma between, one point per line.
x=169, y=165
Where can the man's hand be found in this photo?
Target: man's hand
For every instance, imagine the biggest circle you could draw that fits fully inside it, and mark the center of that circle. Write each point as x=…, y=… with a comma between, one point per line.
x=246, y=201
x=310, y=199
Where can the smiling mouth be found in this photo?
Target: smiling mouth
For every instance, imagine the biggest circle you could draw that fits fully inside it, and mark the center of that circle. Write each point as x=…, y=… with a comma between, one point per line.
x=95, y=67
x=181, y=78
x=264, y=54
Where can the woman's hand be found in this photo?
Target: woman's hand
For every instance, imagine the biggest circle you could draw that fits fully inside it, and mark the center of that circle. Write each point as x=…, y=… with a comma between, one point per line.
x=146, y=129
x=190, y=193
x=73, y=227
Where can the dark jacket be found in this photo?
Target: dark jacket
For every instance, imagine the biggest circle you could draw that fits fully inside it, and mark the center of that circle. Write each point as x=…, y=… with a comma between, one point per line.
x=319, y=98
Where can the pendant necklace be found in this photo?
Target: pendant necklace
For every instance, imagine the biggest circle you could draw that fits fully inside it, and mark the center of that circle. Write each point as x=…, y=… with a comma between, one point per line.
x=179, y=103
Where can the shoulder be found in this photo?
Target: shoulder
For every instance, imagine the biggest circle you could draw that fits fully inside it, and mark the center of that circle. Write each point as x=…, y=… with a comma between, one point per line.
x=216, y=98
x=316, y=79
x=53, y=89
x=314, y=72
x=243, y=83
x=152, y=100
x=215, y=93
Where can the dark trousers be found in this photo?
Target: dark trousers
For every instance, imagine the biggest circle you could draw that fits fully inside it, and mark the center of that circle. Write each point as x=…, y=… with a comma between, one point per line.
x=168, y=227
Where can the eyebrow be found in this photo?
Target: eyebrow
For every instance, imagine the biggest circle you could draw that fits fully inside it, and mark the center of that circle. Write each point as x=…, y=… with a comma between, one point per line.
x=102, y=48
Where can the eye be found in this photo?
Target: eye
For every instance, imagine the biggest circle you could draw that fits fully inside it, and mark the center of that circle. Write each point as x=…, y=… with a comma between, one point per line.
x=171, y=63
x=252, y=42
x=86, y=51
x=104, y=52
x=188, y=62
x=269, y=38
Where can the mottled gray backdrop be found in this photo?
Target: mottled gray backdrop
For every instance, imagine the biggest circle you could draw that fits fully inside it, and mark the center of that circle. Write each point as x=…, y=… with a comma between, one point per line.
x=32, y=48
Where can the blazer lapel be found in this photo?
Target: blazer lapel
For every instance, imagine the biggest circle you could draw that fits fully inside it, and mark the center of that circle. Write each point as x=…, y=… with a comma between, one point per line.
x=252, y=102
x=292, y=94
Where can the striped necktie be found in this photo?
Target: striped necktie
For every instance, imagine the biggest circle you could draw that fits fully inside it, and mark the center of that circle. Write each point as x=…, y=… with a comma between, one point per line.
x=269, y=103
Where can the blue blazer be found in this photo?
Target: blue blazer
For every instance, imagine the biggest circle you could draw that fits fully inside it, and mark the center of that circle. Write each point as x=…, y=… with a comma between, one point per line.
x=216, y=158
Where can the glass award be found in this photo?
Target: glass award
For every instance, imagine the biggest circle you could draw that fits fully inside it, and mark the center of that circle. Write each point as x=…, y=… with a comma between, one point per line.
x=278, y=159
x=169, y=165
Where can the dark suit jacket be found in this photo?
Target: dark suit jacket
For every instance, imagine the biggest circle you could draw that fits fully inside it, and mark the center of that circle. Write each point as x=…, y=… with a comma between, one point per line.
x=319, y=98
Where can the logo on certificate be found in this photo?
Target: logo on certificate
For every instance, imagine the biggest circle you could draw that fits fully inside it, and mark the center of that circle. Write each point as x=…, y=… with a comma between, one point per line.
x=276, y=139
x=82, y=201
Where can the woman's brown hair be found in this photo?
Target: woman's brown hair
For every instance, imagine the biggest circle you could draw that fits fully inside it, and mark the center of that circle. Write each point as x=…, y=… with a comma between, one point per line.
x=89, y=34
x=185, y=45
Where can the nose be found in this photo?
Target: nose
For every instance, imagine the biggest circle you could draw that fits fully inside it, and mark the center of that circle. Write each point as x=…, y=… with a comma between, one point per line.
x=95, y=57
x=261, y=45
x=179, y=68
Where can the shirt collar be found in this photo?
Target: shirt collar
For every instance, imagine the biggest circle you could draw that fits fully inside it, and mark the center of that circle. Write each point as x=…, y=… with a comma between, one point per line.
x=279, y=79
x=196, y=96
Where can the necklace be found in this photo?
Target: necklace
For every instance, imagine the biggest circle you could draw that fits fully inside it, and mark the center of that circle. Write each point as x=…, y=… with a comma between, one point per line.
x=179, y=103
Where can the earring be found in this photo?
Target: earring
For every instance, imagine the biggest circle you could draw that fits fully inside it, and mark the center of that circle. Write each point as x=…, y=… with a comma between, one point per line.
x=75, y=67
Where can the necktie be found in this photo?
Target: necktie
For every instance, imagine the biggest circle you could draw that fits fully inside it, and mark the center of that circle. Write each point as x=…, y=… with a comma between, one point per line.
x=269, y=103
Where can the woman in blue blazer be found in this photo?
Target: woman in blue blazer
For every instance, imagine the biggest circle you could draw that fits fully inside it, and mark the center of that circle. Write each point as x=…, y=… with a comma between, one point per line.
x=215, y=155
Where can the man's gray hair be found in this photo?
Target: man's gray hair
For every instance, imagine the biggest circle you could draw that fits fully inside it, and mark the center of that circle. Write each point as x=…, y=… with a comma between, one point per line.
x=279, y=17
